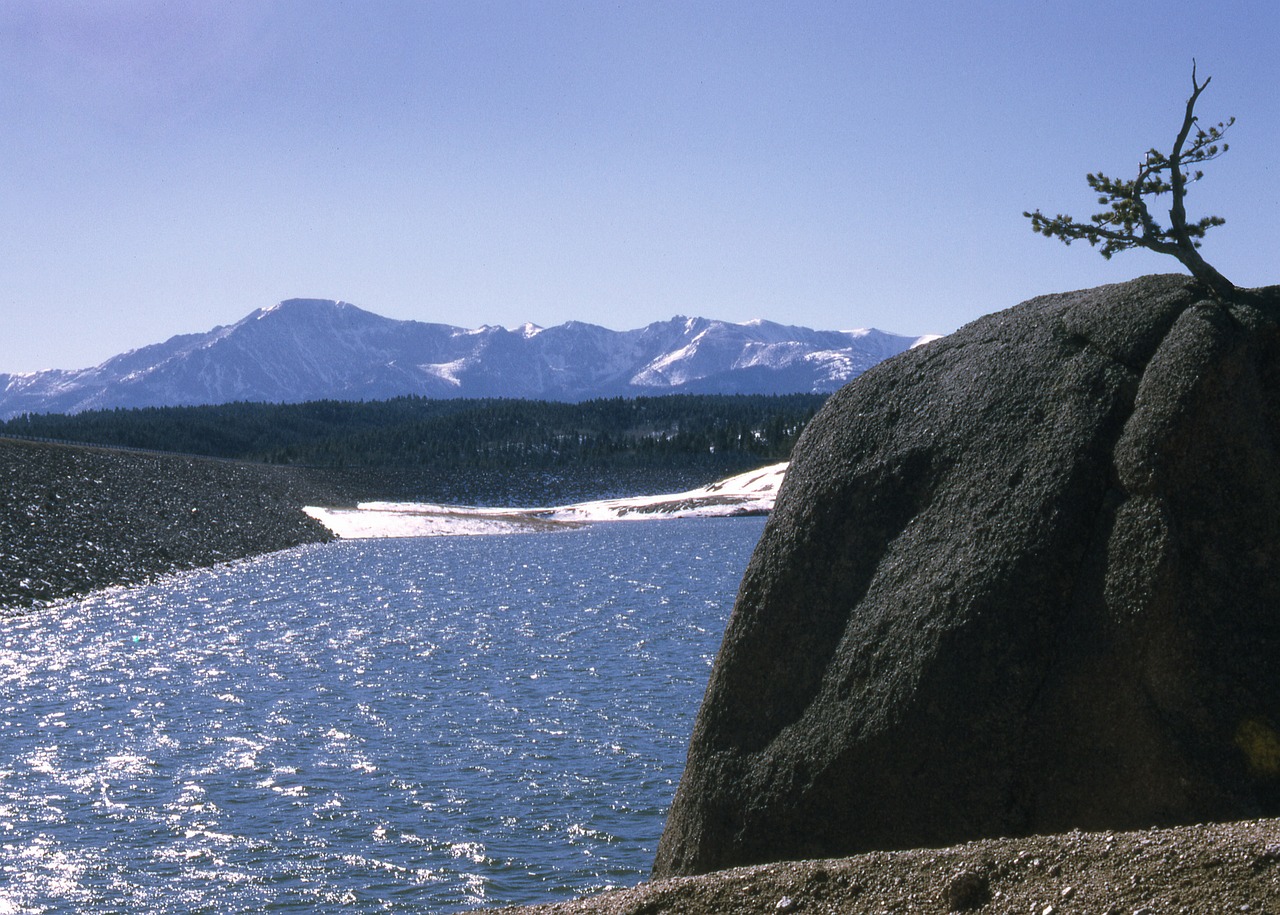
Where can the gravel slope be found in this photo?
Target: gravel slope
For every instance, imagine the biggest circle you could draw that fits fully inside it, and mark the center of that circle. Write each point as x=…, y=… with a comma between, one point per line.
x=1216, y=868
x=75, y=519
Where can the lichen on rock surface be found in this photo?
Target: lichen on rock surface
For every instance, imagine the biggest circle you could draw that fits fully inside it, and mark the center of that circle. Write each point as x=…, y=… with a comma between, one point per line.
x=1025, y=579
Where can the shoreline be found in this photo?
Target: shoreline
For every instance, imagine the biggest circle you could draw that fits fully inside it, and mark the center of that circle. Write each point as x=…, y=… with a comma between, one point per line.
x=75, y=519
x=746, y=494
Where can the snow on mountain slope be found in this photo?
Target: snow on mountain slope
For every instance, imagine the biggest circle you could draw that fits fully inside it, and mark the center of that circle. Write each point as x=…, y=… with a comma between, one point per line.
x=308, y=349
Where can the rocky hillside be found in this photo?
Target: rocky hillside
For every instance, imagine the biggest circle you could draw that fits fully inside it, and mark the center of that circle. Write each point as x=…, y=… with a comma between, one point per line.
x=76, y=519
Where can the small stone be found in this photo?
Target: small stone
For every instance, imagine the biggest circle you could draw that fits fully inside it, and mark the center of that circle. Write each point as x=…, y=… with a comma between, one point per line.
x=968, y=889
x=1068, y=892
x=785, y=904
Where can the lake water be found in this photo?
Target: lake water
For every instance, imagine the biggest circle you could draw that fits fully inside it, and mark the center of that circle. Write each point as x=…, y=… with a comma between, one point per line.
x=371, y=726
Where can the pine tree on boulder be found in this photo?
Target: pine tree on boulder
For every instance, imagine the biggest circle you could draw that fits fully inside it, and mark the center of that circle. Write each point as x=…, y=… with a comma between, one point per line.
x=1128, y=223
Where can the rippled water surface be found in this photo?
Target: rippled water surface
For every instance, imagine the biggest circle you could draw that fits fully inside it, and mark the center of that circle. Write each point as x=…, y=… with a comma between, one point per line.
x=396, y=725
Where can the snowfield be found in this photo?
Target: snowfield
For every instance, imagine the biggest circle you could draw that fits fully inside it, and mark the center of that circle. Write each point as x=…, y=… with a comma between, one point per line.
x=750, y=493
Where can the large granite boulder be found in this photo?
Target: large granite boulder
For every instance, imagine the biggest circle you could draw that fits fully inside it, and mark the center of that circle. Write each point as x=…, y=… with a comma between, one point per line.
x=1023, y=579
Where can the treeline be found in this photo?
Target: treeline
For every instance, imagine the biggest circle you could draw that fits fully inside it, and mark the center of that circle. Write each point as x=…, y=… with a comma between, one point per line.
x=675, y=432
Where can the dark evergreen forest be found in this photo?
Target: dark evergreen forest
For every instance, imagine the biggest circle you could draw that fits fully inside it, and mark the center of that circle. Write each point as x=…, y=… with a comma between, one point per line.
x=468, y=450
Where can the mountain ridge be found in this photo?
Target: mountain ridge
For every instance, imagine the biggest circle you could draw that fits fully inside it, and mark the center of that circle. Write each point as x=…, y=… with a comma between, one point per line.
x=310, y=349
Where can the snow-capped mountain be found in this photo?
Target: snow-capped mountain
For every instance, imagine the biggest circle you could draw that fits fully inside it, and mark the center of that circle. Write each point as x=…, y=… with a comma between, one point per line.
x=311, y=349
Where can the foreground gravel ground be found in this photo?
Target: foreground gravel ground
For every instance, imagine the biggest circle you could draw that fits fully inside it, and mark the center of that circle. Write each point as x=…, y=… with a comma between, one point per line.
x=76, y=519
x=1216, y=868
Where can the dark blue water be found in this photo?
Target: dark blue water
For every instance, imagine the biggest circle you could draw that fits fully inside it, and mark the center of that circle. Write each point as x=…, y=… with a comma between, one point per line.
x=377, y=726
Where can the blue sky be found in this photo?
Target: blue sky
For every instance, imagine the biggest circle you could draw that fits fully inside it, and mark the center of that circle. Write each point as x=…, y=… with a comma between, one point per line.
x=168, y=167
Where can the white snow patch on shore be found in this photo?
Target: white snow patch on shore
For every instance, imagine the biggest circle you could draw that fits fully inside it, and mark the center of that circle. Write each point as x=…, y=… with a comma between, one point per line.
x=751, y=493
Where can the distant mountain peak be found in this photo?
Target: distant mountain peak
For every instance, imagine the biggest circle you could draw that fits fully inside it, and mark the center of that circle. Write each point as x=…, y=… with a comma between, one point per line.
x=310, y=349
x=302, y=306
